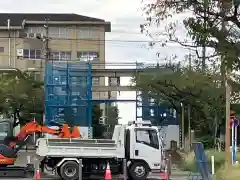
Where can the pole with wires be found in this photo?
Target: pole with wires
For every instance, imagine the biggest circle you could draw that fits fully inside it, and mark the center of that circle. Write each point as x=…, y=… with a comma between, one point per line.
x=9, y=42
x=46, y=49
x=225, y=7
x=46, y=26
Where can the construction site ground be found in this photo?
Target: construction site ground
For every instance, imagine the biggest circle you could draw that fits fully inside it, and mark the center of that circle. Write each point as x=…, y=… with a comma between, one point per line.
x=22, y=160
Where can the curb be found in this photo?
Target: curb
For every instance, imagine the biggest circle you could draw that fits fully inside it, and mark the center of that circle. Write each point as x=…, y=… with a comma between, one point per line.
x=184, y=173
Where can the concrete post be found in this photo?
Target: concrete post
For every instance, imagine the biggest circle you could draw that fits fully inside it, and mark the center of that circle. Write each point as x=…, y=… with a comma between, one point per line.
x=169, y=166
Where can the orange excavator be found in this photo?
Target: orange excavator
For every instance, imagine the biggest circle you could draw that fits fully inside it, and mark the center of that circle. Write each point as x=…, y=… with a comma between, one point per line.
x=11, y=145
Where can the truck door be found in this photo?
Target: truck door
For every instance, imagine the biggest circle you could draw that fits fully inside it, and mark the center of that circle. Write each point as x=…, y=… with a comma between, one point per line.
x=146, y=147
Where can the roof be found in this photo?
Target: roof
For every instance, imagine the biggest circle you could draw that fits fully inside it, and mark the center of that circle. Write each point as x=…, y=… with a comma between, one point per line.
x=16, y=19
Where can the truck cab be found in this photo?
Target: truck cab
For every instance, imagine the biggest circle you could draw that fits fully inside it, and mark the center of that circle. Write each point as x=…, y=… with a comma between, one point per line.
x=138, y=143
x=142, y=143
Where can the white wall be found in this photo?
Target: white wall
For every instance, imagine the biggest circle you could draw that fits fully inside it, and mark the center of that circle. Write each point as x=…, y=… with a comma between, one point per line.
x=170, y=133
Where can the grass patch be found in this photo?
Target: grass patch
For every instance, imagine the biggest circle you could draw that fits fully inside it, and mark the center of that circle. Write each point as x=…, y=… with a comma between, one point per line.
x=228, y=173
x=189, y=162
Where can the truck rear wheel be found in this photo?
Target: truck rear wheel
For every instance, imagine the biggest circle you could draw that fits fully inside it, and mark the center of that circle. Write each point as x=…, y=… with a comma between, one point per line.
x=69, y=170
x=138, y=171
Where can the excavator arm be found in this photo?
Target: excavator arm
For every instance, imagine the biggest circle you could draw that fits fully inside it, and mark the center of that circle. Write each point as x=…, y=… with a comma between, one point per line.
x=32, y=127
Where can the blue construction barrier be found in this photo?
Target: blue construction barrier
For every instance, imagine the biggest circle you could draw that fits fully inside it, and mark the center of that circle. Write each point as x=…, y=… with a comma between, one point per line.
x=201, y=161
x=67, y=96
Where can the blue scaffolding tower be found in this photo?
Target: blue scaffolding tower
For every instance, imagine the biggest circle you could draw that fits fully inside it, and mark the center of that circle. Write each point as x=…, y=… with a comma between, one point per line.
x=148, y=110
x=68, y=93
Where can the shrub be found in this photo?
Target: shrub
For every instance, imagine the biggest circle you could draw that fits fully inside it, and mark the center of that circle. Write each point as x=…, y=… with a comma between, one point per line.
x=207, y=141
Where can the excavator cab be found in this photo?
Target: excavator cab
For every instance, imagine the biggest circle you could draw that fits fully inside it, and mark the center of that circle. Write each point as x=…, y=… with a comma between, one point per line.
x=6, y=130
x=7, y=154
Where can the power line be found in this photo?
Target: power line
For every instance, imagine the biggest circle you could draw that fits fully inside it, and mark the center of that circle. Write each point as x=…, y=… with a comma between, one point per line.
x=125, y=32
x=93, y=39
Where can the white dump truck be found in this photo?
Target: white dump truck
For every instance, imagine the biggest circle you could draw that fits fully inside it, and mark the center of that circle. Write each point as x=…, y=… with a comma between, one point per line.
x=138, y=143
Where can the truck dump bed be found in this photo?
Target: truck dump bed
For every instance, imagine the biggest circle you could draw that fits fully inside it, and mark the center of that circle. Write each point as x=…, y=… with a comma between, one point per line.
x=57, y=147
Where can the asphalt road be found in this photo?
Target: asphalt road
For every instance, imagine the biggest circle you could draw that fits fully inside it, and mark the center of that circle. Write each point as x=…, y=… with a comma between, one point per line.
x=24, y=157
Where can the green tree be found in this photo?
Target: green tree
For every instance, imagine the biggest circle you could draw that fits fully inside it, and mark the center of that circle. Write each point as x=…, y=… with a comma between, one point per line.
x=105, y=128
x=21, y=97
x=98, y=129
x=177, y=84
x=112, y=113
x=211, y=24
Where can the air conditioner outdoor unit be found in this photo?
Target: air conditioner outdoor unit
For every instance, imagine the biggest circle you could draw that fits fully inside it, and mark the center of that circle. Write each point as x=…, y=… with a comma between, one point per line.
x=25, y=35
x=39, y=35
x=31, y=35
x=20, y=52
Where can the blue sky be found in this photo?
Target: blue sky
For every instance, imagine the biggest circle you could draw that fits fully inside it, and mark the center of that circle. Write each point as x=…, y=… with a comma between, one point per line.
x=125, y=16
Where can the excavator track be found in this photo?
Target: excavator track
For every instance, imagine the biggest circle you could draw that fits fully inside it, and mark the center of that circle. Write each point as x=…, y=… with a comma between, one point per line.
x=17, y=171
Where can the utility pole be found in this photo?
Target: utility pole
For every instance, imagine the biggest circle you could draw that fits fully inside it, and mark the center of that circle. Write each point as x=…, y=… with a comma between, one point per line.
x=227, y=135
x=204, y=36
x=9, y=42
x=46, y=57
x=224, y=6
x=190, y=61
x=47, y=41
x=189, y=107
x=189, y=125
x=182, y=133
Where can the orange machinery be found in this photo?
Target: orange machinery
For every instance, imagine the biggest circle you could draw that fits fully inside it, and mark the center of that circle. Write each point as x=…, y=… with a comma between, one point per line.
x=11, y=145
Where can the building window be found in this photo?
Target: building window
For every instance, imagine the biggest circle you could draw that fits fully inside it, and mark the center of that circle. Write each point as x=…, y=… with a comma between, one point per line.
x=32, y=54
x=36, y=30
x=61, y=56
x=35, y=75
x=95, y=80
x=53, y=32
x=60, y=32
x=87, y=56
x=1, y=49
x=88, y=33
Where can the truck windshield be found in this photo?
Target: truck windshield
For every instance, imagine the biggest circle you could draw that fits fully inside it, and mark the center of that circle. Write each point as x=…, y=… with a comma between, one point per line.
x=148, y=137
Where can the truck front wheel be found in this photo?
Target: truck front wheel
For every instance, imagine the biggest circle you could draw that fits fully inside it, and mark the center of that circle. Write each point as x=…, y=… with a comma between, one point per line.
x=69, y=170
x=138, y=171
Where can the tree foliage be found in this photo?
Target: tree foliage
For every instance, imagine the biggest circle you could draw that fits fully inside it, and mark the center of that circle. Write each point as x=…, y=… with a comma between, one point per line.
x=177, y=84
x=214, y=24
x=21, y=97
x=105, y=129
x=98, y=129
x=112, y=113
